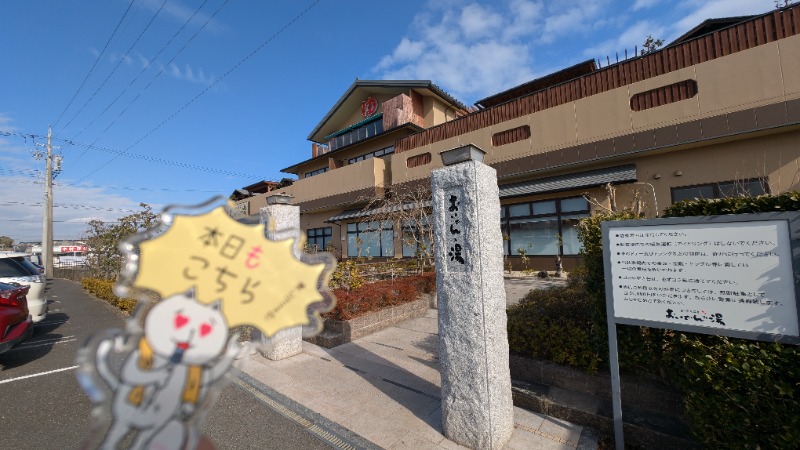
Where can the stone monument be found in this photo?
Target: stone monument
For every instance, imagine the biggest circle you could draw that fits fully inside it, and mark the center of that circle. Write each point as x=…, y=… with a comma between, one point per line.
x=285, y=219
x=477, y=409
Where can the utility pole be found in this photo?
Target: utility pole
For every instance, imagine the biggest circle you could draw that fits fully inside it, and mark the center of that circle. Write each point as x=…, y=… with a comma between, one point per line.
x=47, y=227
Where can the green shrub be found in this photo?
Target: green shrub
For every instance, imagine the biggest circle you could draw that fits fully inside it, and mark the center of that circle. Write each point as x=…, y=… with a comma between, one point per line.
x=640, y=349
x=738, y=393
x=555, y=324
x=104, y=289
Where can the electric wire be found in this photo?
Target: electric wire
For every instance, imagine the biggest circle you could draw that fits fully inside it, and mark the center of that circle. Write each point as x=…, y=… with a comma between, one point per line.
x=144, y=69
x=119, y=63
x=99, y=57
x=139, y=157
x=231, y=70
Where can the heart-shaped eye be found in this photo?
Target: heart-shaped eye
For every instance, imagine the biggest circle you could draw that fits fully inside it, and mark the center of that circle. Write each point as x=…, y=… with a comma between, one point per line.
x=205, y=329
x=180, y=320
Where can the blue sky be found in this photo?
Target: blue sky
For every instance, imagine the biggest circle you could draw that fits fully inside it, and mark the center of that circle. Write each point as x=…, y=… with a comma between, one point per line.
x=173, y=102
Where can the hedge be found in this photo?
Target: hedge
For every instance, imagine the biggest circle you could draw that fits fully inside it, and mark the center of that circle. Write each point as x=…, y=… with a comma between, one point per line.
x=104, y=289
x=352, y=303
x=738, y=393
x=555, y=324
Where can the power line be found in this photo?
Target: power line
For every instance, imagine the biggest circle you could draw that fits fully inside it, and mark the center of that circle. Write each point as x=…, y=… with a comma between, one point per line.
x=64, y=205
x=144, y=69
x=99, y=57
x=129, y=188
x=231, y=70
x=140, y=157
x=121, y=60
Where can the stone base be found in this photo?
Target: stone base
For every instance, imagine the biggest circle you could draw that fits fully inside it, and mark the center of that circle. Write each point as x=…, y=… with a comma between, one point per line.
x=284, y=344
x=338, y=332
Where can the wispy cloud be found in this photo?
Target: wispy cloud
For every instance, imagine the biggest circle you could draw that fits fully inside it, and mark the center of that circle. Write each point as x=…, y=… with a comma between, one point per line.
x=696, y=11
x=475, y=48
x=197, y=76
x=471, y=48
x=631, y=38
x=644, y=4
x=6, y=122
x=178, y=12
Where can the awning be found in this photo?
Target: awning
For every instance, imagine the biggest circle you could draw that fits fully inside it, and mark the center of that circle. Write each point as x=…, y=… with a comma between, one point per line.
x=358, y=213
x=592, y=178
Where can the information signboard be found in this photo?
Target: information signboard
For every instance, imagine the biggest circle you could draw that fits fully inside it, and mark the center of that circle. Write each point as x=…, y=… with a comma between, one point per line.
x=735, y=275
x=704, y=277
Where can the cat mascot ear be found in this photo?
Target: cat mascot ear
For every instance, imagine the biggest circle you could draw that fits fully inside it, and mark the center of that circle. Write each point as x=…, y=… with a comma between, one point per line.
x=190, y=292
x=216, y=305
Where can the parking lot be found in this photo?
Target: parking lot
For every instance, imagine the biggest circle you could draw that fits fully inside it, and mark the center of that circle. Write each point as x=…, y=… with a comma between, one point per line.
x=43, y=407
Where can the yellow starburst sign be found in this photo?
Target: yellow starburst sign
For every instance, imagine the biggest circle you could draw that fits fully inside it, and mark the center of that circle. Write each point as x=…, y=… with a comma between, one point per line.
x=260, y=282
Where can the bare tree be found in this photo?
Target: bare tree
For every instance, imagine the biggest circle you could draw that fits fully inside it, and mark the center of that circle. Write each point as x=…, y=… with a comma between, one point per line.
x=409, y=211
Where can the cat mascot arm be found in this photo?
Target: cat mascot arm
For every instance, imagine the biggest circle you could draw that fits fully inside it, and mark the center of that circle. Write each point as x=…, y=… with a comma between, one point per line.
x=222, y=365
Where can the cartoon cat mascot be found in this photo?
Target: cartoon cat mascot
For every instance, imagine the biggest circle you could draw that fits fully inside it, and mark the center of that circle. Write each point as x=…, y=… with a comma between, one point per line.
x=184, y=350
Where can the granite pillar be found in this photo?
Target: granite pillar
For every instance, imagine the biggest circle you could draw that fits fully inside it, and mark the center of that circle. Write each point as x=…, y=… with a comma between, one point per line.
x=477, y=408
x=286, y=221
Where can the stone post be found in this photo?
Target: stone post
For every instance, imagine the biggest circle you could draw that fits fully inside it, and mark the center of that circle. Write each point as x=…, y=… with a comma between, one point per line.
x=286, y=218
x=477, y=409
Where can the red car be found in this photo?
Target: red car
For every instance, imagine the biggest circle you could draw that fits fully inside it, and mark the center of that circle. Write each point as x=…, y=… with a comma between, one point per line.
x=15, y=321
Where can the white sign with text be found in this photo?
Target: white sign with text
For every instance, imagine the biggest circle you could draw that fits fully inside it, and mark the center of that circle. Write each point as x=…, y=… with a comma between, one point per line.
x=734, y=276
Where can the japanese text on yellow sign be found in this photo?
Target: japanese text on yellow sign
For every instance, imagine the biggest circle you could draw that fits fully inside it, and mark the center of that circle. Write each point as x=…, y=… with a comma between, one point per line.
x=260, y=282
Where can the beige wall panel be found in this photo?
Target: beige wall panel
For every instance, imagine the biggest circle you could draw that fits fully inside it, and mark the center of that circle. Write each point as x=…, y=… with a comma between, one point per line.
x=435, y=111
x=740, y=80
x=513, y=150
x=339, y=181
x=682, y=111
x=790, y=65
x=774, y=156
x=603, y=115
x=481, y=138
x=553, y=128
x=670, y=114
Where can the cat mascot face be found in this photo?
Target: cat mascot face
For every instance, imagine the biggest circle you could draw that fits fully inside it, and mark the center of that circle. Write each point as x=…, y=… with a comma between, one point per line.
x=185, y=331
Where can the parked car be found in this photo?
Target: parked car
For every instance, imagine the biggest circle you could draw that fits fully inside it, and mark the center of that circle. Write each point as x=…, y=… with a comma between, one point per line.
x=38, y=266
x=16, y=324
x=15, y=268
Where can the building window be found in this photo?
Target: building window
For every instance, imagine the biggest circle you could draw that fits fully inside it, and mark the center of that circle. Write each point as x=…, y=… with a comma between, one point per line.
x=365, y=239
x=512, y=135
x=316, y=172
x=534, y=228
x=720, y=190
x=319, y=238
x=419, y=160
x=375, y=154
x=416, y=238
x=664, y=95
x=356, y=133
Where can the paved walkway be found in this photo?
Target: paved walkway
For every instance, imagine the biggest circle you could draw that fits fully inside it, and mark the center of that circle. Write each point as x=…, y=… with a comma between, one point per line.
x=519, y=286
x=386, y=388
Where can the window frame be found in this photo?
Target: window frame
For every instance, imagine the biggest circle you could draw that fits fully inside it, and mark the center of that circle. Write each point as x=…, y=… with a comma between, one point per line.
x=375, y=154
x=368, y=228
x=316, y=172
x=327, y=237
x=558, y=215
x=715, y=187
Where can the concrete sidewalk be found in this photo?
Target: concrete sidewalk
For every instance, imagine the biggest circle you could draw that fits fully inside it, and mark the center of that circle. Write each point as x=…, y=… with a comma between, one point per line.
x=386, y=388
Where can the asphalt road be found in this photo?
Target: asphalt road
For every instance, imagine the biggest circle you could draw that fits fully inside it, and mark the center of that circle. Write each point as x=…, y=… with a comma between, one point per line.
x=43, y=407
